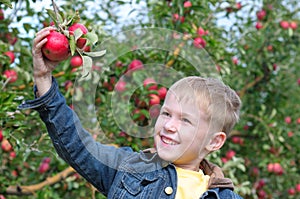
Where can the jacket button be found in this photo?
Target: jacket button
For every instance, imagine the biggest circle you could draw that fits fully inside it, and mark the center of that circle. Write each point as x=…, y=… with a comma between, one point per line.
x=168, y=190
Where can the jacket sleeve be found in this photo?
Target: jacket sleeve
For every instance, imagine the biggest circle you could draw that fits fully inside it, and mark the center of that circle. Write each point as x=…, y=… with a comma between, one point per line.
x=96, y=162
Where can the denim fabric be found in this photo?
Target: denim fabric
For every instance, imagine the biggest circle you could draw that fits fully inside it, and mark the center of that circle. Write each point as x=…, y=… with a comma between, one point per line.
x=116, y=172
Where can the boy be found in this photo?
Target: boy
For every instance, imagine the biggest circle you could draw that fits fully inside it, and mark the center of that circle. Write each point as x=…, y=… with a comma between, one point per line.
x=197, y=115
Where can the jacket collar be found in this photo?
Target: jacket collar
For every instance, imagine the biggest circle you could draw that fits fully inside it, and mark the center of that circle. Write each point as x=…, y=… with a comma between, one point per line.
x=216, y=180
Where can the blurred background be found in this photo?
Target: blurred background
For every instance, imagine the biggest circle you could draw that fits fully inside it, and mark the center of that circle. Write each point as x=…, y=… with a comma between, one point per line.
x=253, y=46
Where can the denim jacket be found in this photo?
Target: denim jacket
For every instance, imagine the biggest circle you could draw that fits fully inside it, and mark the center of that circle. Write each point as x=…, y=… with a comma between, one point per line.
x=116, y=172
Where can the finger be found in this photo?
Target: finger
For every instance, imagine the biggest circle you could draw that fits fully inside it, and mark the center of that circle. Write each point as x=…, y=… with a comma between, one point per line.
x=42, y=33
x=36, y=49
x=49, y=28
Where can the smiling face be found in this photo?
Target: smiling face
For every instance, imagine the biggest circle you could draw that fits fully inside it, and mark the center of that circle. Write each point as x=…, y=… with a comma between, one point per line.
x=181, y=132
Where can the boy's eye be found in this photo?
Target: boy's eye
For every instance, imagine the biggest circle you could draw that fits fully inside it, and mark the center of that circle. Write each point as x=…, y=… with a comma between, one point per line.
x=165, y=113
x=186, y=120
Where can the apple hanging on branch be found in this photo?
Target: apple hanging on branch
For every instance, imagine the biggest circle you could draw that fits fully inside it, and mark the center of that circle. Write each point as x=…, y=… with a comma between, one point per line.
x=69, y=38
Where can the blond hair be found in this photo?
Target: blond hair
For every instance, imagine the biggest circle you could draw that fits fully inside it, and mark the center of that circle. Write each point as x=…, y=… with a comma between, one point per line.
x=220, y=104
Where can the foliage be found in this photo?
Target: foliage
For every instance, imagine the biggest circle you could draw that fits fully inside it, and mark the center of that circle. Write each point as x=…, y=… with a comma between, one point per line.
x=252, y=51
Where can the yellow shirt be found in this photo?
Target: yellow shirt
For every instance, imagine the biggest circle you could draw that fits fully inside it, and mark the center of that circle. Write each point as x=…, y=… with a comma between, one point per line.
x=191, y=184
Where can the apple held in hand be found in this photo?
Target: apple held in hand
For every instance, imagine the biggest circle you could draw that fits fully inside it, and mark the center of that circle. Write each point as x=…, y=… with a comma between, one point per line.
x=57, y=47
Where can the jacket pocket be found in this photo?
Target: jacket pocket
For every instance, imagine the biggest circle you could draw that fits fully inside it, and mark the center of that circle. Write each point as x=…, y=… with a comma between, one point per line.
x=136, y=184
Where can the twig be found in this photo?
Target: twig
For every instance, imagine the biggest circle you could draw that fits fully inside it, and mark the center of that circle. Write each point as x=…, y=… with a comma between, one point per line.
x=249, y=85
x=55, y=8
x=30, y=189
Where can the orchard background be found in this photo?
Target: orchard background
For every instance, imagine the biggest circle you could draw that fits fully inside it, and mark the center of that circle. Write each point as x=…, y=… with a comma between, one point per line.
x=253, y=44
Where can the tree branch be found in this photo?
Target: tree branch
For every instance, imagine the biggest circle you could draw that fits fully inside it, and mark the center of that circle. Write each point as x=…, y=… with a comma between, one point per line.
x=30, y=189
x=249, y=85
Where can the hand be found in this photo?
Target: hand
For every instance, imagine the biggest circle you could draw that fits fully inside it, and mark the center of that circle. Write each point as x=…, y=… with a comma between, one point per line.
x=42, y=67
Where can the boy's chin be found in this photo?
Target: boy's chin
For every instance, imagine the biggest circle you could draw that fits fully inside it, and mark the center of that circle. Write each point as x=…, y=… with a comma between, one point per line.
x=166, y=156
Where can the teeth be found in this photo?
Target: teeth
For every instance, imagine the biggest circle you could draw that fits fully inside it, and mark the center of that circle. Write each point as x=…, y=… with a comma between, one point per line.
x=168, y=141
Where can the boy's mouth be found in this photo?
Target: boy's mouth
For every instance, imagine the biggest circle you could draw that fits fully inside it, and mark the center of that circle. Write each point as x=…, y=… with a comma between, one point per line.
x=168, y=141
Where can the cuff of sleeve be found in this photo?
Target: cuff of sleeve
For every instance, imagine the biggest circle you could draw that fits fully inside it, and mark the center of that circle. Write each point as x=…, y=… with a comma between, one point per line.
x=40, y=102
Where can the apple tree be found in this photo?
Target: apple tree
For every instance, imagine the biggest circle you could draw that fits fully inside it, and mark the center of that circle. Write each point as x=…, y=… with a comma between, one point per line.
x=251, y=45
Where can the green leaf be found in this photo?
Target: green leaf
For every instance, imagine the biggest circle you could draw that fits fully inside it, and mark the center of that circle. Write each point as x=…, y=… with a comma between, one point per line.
x=57, y=19
x=95, y=54
x=7, y=3
x=87, y=65
x=92, y=37
x=72, y=44
x=78, y=33
x=290, y=31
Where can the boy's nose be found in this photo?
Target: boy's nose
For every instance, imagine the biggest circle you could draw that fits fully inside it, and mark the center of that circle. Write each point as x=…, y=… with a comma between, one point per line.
x=171, y=126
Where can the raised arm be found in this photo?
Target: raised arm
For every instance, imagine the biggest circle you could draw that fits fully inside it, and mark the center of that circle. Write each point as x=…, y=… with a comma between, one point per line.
x=42, y=68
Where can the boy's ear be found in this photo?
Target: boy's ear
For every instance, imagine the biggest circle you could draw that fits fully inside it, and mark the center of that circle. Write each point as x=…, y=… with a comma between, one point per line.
x=217, y=141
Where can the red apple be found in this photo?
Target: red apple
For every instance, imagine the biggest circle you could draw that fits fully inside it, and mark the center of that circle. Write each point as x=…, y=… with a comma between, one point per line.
x=298, y=120
x=12, y=154
x=201, y=32
x=199, y=42
x=255, y=171
x=238, y=5
x=293, y=25
x=1, y=14
x=288, y=120
x=11, y=55
x=270, y=48
x=298, y=81
x=80, y=43
x=119, y=64
x=224, y=160
x=138, y=115
x=262, y=194
x=297, y=187
x=46, y=160
x=44, y=167
x=236, y=139
x=230, y=154
x=187, y=4
x=2, y=196
x=258, y=25
x=154, y=99
x=290, y=134
x=11, y=74
x=11, y=38
x=75, y=26
x=162, y=92
x=270, y=167
x=135, y=65
x=277, y=168
x=261, y=183
x=284, y=24
x=76, y=61
x=6, y=146
x=57, y=47
x=150, y=84
x=120, y=86
x=291, y=191
x=261, y=15
x=177, y=17
x=235, y=60
x=1, y=136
